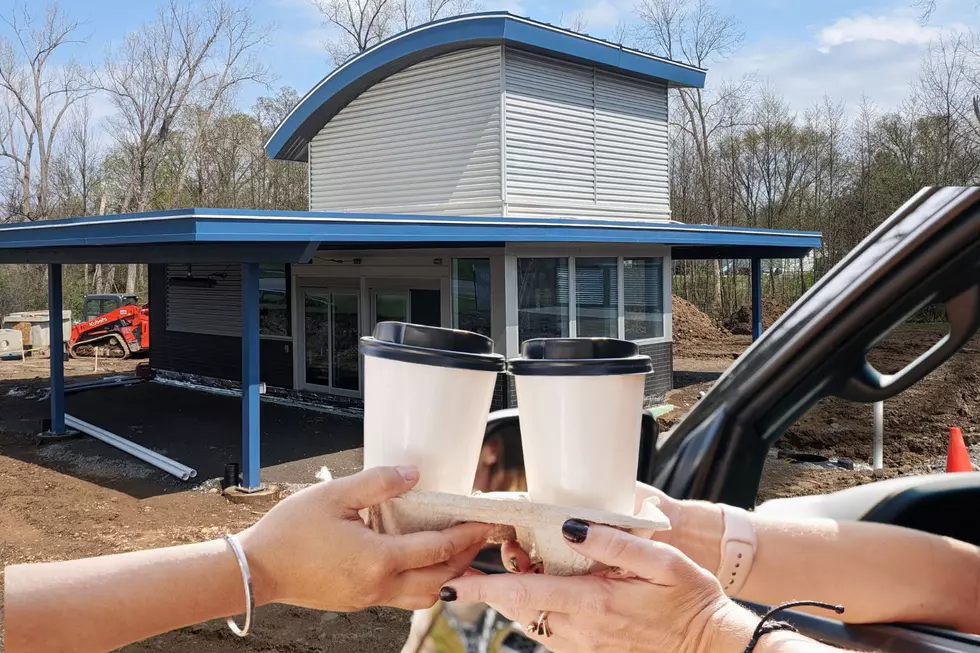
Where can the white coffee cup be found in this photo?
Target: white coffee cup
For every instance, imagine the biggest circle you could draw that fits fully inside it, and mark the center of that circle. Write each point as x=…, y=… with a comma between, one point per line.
x=427, y=395
x=580, y=403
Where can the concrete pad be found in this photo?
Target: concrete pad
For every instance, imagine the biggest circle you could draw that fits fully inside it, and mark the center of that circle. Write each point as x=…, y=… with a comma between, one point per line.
x=267, y=496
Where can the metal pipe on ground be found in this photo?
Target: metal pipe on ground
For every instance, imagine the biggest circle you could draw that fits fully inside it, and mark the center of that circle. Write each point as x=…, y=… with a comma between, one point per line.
x=111, y=382
x=169, y=465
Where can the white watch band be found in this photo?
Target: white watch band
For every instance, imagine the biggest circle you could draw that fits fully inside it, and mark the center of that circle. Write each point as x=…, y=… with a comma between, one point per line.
x=738, y=545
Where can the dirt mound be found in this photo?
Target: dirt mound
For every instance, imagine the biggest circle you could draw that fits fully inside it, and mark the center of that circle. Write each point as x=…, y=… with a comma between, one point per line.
x=690, y=323
x=740, y=322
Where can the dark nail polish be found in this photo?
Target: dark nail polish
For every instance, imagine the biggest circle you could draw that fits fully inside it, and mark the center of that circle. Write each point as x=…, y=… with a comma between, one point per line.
x=575, y=531
x=513, y=565
x=447, y=594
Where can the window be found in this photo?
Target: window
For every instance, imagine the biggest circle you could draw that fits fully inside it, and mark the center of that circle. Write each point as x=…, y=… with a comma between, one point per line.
x=542, y=298
x=273, y=300
x=597, y=297
x=471, y=295
x=644, y=298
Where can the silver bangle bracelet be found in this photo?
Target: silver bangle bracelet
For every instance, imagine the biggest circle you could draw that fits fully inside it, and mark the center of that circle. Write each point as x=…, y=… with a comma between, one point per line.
x=247, y=578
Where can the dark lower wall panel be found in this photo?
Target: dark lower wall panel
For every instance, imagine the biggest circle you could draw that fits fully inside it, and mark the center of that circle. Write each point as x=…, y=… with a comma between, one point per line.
x=216, y=356
x=501, y=396
x=661, y=381
x=658, y=384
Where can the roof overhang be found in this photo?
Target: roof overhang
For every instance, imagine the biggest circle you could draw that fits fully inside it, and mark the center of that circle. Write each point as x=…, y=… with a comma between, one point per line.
x=233, y=236
x=352, y=78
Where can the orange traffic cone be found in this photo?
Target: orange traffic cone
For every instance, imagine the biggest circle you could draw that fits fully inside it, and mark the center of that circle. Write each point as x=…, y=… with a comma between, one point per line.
x=957, y=457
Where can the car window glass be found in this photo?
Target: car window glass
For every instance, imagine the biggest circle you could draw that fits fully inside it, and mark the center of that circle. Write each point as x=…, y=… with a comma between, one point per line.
x=831, y=446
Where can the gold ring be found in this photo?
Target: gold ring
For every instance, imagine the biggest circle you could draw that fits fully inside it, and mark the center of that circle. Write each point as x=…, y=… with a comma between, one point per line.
x=541, y=626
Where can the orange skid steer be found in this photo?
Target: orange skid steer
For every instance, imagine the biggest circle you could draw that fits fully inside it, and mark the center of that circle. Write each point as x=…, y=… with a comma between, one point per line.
x=117, y=334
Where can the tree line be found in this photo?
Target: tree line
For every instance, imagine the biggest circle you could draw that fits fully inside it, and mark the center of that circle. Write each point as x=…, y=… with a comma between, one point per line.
x=177, y=134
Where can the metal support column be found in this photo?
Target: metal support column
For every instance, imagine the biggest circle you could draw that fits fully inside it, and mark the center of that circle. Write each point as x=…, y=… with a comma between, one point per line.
x=57, y=347
x=756, y=298
x=250, y=377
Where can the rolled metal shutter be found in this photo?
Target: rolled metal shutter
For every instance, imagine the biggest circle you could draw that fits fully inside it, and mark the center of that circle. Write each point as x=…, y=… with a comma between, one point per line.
x=198, y=309
x=583, y=142
x=631, y=145
x=550, y=139
x=425, y=140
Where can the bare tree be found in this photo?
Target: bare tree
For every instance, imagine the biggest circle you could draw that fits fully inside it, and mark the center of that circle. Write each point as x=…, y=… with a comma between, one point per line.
x=409, y=13
x=360, y=23
x=38, y=95
x=576, y=22
x=190, y=53
x=76, y=184
x=694, y=32
x=236, y=62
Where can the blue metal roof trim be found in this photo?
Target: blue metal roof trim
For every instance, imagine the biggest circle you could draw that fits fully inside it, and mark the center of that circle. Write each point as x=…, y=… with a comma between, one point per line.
x=352, y=78
x=235, y=226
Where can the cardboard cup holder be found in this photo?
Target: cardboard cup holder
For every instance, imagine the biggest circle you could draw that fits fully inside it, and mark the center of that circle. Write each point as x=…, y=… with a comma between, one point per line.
x=535, y=526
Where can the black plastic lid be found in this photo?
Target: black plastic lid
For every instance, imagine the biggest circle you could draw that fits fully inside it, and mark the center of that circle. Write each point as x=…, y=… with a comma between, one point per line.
x=426, y=345
x=579, y=357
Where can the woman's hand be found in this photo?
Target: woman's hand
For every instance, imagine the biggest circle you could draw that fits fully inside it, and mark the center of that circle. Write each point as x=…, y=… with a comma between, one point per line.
x=671, y=605
x=696, y=528
x=314, y=550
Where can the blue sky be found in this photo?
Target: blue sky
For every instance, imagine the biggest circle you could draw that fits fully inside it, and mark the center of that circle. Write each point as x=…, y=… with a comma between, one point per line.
x=802, y=48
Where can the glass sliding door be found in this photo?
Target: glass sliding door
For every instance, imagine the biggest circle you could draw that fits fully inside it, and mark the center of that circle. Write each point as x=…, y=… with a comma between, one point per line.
x=346, y=362
x=331, y=339
x=472, y=297
x=316, y=305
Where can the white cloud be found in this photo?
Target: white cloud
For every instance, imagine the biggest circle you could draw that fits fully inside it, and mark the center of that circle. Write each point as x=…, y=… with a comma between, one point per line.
x=602, y=15
x=903, y=30
x=873, y=55
x=515, y=7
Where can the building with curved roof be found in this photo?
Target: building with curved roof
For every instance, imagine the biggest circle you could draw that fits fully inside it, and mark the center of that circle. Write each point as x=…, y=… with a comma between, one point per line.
x=485, y=172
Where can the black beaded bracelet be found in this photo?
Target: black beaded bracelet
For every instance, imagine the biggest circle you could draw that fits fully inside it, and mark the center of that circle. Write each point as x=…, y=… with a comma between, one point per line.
x=767, y=625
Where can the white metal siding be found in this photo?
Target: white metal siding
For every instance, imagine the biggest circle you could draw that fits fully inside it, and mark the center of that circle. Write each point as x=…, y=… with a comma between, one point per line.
x=212, y=311
x=550, y=141
x=583, y=142
x=631, y=144
x=425, y=140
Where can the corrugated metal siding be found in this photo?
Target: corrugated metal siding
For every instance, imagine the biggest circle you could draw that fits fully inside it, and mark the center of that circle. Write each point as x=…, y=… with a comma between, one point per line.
x=550, y=140
x=631, y=144
x=583, y=142
x=208, y=355
x=213, y=311
x=425, y=140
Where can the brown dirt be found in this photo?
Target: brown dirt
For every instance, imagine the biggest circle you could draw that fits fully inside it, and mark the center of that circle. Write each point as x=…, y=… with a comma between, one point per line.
x=740, y=322
x=690, y=323
x=916, y=422
x=697, y=336
x=36, y=368
x=80, y=498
